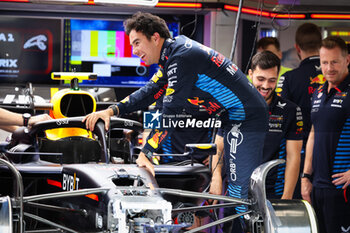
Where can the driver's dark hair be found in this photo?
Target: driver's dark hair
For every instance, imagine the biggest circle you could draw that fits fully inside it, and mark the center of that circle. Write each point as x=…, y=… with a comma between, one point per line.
x=148, y=24
x=265, y=60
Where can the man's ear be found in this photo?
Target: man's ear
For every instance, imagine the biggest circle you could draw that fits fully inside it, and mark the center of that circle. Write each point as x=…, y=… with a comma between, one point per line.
x=297, y=48
x=279, y=54
x=250, y=73
x=155, y=37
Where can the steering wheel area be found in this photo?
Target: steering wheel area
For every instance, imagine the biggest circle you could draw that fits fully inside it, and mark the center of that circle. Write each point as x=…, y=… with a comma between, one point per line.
x=29, y=135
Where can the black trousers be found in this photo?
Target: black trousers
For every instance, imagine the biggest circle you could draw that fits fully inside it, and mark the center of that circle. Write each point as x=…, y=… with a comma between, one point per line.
x=332, y=207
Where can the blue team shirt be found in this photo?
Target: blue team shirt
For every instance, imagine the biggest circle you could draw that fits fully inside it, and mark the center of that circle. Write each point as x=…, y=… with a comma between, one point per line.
x=285, y=123
x=330, y=116
x=194, y=78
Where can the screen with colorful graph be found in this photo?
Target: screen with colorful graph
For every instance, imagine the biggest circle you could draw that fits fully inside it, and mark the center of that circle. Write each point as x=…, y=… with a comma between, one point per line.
x=102, y=47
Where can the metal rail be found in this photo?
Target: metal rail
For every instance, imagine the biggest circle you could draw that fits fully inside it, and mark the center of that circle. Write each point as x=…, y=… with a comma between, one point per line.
x=18, y=199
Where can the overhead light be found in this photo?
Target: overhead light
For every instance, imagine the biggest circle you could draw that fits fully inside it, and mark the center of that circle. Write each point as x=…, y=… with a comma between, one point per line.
x=179, y=4
x=330, y=16
x=14, y=0
x=127, y=2
x=340, y=33
x=287, y=16
x=99, y=2
x=247, y=10
x=60, y=1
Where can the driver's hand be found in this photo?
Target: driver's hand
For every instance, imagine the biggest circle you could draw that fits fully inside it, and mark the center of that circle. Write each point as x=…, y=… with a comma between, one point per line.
x=91, y=119
x=306, y=188
x=142, y=161
x=215, y=187
x=206, y=161
x=38, y=118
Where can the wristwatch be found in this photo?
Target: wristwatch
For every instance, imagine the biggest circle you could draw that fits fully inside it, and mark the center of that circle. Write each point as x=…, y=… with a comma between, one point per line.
x=306, y=175
x=26, y=117
x=114, y=108
x=148, y=154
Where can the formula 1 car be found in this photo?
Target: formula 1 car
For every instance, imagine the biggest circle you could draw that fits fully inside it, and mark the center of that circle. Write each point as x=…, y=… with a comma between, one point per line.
x=91, y=194
x=59, y=177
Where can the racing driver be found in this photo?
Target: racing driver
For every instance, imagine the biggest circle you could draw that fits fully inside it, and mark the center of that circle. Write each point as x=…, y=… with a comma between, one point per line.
x=192, y=71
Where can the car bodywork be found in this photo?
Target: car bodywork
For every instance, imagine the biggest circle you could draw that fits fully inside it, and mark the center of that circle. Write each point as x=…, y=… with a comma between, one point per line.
x=99, y=196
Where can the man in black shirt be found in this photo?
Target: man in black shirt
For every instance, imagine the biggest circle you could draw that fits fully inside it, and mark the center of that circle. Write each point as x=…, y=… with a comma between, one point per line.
x=284, y=139
x=299, y=84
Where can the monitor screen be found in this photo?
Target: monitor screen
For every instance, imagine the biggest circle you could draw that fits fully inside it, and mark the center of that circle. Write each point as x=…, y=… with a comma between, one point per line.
x=102, y=47
x=30, y=49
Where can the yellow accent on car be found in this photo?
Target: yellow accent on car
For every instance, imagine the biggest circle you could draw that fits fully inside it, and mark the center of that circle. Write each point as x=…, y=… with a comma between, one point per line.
x=205, y=146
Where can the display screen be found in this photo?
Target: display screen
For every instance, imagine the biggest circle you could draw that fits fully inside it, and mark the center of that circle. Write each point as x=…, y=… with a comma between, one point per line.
x=102, y=47
x=29, y=49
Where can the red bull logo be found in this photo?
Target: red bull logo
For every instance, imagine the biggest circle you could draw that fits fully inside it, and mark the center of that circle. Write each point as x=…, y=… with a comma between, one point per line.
x=299, y=130
x=154, y=141
x=318, y=79
x=213, y=107
x=195, y=101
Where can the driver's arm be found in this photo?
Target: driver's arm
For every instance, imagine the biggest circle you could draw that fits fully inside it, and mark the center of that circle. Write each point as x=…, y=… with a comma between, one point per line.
x=217, y=164
x=138, y=100
x=306, y=185
x=293, y=148
x=9, y=128
x=294, y=142
x=9, y=121
x=10, y=118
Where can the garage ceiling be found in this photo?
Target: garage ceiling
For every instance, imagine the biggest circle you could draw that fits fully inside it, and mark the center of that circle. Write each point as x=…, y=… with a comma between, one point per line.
x=295, y=6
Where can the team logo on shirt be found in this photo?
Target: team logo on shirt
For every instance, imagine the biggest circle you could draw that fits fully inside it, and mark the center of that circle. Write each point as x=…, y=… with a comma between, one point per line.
x=318, y=79
x=126, y=99
x=169, y=91
x=157, y=138
x=160, y=92
x=345, y=230
x=211, y=107
x=275, y=123
x=156, y=76
x=195, y=101
x=337, y=103
x=234, y=139
x=281, y=105
x=341, y=95
x=299, y=115
x=232, y=69
x=218, y=59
